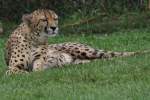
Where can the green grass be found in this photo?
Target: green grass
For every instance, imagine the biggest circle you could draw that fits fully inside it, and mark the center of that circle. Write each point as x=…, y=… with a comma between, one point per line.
x=117, y=79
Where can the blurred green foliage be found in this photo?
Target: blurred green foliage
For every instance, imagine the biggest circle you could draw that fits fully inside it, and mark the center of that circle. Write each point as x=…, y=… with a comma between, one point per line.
x=105, y=24
x=14, y=9
x=83, y=16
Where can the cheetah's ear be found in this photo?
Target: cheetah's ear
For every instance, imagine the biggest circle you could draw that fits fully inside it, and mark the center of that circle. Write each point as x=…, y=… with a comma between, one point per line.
x=27, y=18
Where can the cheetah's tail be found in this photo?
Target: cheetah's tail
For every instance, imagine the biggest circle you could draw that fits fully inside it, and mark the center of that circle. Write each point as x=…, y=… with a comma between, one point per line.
x=111, y=54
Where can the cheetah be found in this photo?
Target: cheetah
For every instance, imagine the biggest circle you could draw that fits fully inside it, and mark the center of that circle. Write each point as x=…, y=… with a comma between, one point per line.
x=31, y=34
x=27, y=48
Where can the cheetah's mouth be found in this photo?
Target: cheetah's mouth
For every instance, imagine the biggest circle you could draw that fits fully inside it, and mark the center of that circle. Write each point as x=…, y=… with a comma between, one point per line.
x=51, y=32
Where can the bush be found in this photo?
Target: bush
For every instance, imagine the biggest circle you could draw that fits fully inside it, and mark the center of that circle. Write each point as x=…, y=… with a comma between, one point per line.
x=14, y=9
x=108, y=24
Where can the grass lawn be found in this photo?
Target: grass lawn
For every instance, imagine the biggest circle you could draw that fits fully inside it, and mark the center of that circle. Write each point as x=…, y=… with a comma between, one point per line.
x=116, y=79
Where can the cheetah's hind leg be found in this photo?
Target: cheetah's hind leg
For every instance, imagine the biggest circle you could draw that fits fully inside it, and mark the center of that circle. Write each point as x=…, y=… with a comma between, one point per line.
x=52, y=60
x=39, y=65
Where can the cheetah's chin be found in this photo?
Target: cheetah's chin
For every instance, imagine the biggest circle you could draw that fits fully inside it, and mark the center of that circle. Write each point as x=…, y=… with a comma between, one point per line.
x=50, y=34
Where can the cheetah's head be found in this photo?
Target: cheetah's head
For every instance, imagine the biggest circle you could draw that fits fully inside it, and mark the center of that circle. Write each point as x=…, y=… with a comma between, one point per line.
x=43, y=22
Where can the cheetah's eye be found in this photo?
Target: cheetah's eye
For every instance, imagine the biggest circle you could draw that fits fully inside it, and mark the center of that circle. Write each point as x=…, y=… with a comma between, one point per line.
x=44, y=20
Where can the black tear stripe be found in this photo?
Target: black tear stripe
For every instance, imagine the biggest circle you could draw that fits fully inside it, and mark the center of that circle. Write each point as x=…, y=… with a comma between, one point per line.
x=46, y=18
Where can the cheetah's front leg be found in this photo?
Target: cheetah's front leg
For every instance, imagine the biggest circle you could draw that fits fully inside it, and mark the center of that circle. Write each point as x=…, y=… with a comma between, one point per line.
x=19, y=62
x=15, y=70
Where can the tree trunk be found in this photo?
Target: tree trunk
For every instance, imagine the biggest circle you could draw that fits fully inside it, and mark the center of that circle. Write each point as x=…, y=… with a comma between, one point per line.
x=148, y=4
x=1, y=29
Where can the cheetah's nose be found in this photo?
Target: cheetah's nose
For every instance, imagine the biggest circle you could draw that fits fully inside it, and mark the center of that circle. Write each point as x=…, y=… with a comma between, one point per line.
x=53, y=28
